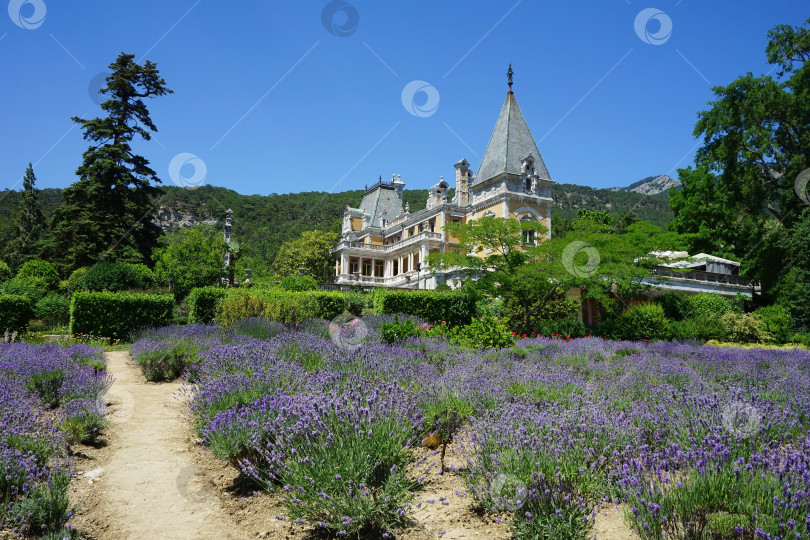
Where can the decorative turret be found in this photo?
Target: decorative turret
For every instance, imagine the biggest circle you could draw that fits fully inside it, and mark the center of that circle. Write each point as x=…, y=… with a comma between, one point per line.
x=464, y=179
x=438, y=193
x=398, y=184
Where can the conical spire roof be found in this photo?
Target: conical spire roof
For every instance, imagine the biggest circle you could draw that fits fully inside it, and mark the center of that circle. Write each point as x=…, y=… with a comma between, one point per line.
x=511, y=141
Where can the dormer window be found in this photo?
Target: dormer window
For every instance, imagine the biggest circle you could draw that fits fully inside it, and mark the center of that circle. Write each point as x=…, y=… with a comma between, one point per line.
x=528, y=186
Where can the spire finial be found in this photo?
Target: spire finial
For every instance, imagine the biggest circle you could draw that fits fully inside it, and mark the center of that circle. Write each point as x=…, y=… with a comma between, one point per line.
x=509, y=75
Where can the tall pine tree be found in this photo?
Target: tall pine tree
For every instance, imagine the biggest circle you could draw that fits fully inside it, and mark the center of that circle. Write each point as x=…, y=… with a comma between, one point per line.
x=107, y=213
x=29, y=225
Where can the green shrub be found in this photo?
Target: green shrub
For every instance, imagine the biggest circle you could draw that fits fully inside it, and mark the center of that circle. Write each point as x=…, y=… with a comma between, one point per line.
x=76, y=280
x=492, y=307
x=395, y=332
x=699, y=328
x=330, y=303
x=712, y=304
x=778, y=322
x=483, y=333
x=5, y=271
x=117, y=276
x=203, y=303
x=456, y=308
x=40, y=271
x=745, y=328
x=641, y=321
x=677, y=306
x=569, y=326
x=118, y=315
x=299, y=283
x=144, y=277
x=55, y=308
x=14, y=313
x=356, y=302
x=32, y=289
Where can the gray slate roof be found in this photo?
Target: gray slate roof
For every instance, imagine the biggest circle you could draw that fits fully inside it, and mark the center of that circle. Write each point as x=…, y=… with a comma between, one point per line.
x=510, y=142
x=379, y=200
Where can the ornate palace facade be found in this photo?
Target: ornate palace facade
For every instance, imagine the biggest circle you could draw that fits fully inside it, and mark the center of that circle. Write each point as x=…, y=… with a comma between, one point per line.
x=383, y=243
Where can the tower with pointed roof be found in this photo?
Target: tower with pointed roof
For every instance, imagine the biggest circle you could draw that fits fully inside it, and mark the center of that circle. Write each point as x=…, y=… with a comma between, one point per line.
x=382, y=244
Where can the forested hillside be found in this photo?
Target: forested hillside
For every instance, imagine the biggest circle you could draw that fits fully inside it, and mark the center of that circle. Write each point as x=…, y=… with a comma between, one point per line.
x=263, y=222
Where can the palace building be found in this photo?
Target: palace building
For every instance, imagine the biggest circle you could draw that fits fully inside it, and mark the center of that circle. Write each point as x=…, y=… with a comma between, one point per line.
x=383, y=243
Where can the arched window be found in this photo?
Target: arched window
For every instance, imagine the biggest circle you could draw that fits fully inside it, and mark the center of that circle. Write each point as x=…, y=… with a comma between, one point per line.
x=529, y=235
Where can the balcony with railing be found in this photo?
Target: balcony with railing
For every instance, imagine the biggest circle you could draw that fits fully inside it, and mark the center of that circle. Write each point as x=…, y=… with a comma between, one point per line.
x=424, y=235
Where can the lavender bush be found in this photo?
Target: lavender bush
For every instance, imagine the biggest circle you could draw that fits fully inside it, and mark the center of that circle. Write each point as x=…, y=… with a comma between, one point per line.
x=50, y=398
x=694, y=441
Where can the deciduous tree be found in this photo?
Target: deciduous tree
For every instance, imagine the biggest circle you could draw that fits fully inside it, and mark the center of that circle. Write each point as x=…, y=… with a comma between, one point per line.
x=742, y=193
x=310, y=252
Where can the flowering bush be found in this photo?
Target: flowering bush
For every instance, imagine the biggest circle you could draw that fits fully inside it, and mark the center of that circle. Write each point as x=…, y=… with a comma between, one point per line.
x=49, y=399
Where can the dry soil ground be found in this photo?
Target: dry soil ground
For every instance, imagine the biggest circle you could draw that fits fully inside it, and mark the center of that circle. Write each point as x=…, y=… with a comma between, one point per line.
x=150, y=478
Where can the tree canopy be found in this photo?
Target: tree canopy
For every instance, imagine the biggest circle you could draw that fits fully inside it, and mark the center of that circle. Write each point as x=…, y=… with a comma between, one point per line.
x=29, y=227
x=310, y=252
x=742, y=196
x=533, y=279
x=107, y=213
x=190, y=258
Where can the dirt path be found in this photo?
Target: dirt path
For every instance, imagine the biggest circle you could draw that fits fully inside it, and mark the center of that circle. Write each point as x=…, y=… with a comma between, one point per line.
x=144, y=483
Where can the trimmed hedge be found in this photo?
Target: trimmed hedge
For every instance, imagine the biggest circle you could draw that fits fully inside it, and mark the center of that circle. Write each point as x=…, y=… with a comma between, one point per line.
x=280, y=306
x=456, y=309
x=15, y=311
x=203, y=303
x=118, y=315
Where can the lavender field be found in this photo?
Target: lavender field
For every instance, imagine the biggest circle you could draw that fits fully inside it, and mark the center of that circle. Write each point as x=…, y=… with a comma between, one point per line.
x=691, y=441
x=50, y=399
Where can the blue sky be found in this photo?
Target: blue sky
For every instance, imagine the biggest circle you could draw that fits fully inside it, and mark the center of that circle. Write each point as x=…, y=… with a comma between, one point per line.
x=270, y=99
